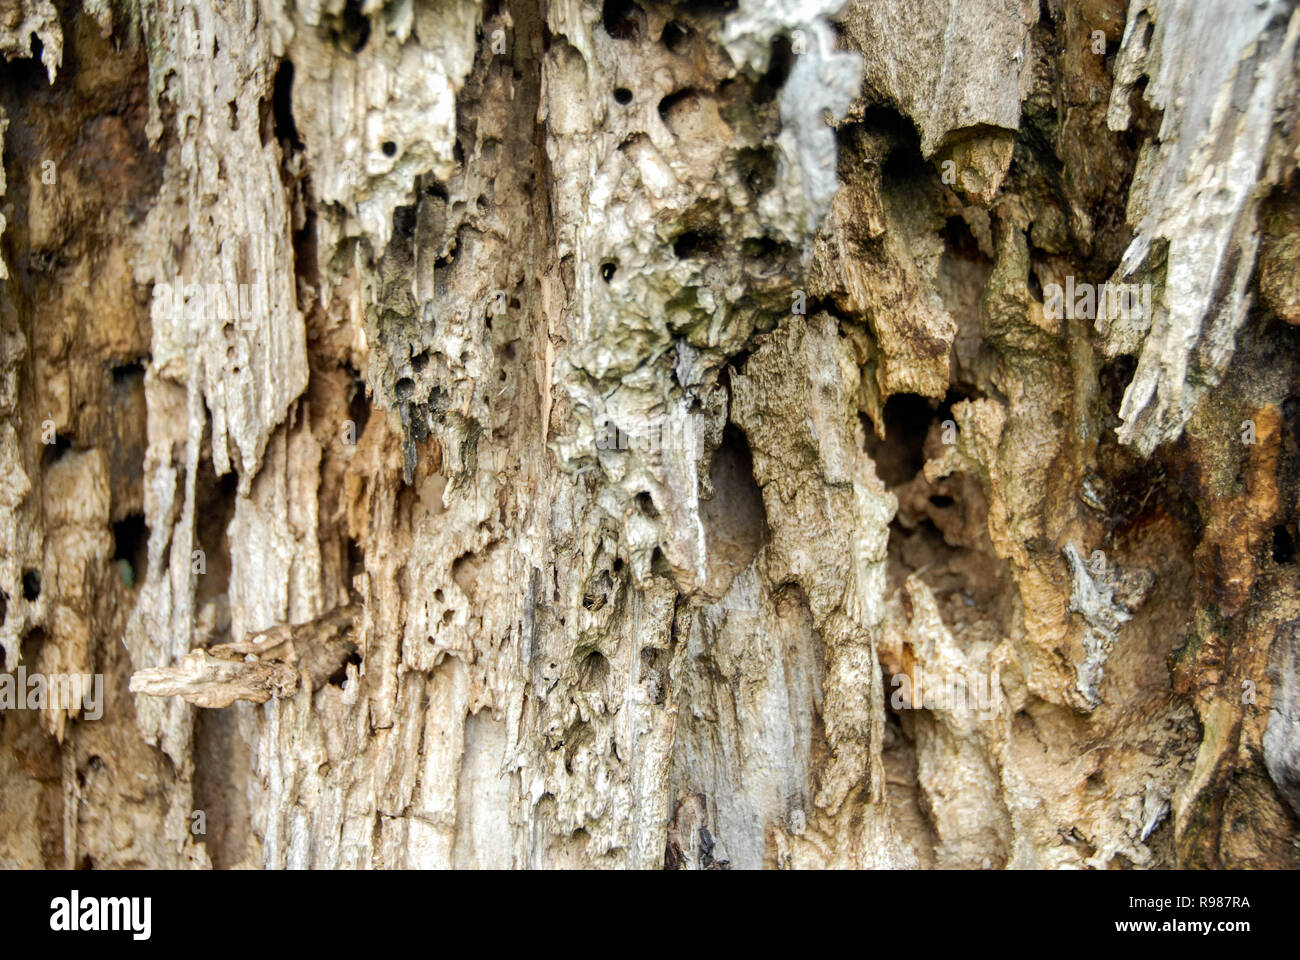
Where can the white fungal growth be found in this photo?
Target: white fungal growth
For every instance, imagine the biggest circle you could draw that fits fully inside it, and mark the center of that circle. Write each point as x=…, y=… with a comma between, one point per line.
x=1092, y=595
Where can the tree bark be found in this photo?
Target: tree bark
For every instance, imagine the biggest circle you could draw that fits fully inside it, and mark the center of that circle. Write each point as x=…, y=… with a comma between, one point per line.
x=539, y=433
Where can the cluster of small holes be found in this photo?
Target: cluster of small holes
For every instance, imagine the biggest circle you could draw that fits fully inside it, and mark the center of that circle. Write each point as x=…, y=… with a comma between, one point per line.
x=675, y=36
x=757, y=248
x=671, y=100
x=695, y=243
x=622, y=19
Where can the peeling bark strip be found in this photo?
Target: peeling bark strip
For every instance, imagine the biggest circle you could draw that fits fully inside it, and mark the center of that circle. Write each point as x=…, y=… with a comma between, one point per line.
x=545, y=433
x=257, y=668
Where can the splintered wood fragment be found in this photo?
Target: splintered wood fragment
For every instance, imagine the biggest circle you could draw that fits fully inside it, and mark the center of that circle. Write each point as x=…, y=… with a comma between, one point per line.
x=260, y=666
x=207, y=681
x=321, y=647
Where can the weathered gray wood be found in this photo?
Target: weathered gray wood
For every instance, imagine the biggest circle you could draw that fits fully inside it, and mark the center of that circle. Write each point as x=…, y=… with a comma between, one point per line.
x=635, y=399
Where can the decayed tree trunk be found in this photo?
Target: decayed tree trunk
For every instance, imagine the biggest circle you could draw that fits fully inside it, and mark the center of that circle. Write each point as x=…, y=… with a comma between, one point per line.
x=538, y=433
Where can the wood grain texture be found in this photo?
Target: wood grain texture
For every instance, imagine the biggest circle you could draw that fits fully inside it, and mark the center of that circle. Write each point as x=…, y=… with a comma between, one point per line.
x=580, y=423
